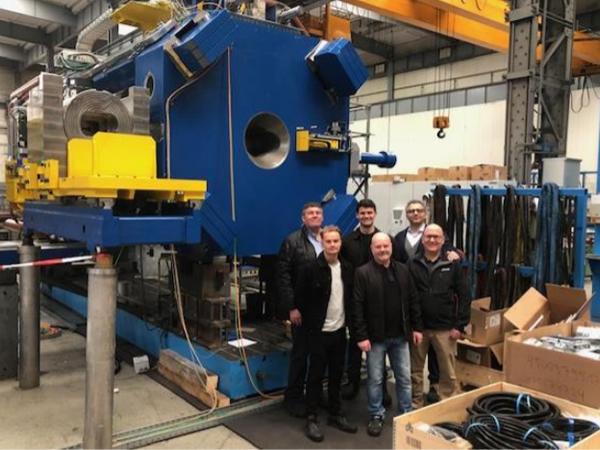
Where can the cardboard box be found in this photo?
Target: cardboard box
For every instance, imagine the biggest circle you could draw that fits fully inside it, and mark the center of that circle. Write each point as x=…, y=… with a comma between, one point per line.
x=459, y=173
x=395, y=177
x=410, y=432
x=469, y=374
x=533, y=309
x=571, y=376
x=481, y=355
x=488, y=172
x=432, y=174
x=486, y=327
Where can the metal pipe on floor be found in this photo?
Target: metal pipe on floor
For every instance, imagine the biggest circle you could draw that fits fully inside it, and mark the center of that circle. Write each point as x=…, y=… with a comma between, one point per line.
x=29, y=317
x=100, y=353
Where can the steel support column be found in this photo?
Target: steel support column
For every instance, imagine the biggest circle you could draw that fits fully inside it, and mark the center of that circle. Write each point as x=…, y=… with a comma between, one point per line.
x=100, y=354
x=538, y=83
x=29, y=318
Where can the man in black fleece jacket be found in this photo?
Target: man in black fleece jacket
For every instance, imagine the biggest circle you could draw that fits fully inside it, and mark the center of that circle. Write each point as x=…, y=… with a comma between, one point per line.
x=445, y=310
x=386, y=317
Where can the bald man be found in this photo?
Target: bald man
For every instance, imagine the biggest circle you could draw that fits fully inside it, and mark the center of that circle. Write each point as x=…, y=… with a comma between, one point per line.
x=445, y=311
x=386, y=317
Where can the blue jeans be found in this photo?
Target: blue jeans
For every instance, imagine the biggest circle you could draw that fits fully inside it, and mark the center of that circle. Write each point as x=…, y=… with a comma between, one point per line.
x=399, y=354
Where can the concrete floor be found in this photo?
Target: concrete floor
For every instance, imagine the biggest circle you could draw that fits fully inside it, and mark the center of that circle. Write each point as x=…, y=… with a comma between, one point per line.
x=51, y=416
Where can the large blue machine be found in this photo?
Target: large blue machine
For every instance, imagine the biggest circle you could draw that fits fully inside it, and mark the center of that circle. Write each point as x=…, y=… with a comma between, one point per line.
x=228, y=95
x=257, y=109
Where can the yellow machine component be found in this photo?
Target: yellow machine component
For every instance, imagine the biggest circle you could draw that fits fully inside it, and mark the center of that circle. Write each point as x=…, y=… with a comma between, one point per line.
x=19, y=182
x=336, y=27
x=305, y=141
x=302, y=140
x=145, y=15
x=109, y=165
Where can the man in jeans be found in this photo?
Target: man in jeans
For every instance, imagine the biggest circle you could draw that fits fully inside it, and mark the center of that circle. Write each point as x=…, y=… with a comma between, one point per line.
x=386, y=317
x=356, y=249
x=445, y=310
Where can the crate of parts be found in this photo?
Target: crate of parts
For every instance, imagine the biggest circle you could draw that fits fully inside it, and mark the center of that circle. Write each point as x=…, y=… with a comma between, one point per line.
x=499, y=416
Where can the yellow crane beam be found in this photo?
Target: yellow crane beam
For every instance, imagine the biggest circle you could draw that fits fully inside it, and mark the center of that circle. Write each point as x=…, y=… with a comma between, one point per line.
x=480, y=22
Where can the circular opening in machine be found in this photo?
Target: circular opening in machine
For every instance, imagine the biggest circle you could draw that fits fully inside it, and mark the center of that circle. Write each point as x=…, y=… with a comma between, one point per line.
x=149, y=83
x=92, y=122
x=267, y=140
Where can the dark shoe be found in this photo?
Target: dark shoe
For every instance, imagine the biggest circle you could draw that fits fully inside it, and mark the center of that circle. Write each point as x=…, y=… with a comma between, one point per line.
x=312, y=430
x=375, y=426
x=387, y=398
x=432, y=396
x=341, y=423
x=295, y=408
x=350, y=391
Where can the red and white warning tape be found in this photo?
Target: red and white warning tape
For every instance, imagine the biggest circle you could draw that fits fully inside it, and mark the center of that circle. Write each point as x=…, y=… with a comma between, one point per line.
x=48, y=262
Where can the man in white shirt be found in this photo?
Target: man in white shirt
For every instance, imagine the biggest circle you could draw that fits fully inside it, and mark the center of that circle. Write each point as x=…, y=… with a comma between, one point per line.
x=323, y=294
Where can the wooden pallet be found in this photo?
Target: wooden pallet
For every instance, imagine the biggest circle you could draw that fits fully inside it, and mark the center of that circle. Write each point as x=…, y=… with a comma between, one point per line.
x=186, y=375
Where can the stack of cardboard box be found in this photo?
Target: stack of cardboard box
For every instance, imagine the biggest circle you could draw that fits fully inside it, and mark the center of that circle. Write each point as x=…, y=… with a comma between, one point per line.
x=481, y=357
x=452, y=173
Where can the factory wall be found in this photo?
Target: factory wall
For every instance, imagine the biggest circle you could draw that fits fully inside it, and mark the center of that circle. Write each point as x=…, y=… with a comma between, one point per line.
x=478, y=71
x=476, y=135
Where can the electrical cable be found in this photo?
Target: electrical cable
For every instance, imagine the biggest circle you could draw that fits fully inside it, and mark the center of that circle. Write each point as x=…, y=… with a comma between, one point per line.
x=524, y=407
x=451, y=426
x=489, y=431
x=198, y=367
x=569, y=429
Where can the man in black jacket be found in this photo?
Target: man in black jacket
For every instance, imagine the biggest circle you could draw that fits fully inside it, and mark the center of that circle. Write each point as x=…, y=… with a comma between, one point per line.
x=323, y=295
x=408, y=244
x=386, y=317
x=445, y=310
x=300, y=247
x=356, y=249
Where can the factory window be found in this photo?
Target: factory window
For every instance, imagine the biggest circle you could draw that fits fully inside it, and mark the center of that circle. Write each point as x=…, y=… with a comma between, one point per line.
x=403, y=106
x=457, y=98
x=475, y=96
x=496, y=93
x=420, y=104
x=267, y=140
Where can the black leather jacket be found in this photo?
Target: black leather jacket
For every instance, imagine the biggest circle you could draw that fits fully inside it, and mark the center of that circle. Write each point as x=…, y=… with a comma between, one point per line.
x=296, y=250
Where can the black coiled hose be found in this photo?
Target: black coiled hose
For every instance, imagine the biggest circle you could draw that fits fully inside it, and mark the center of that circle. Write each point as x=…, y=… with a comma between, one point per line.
x=489, y=431
x=567, y=429
x=451, y=426
x=523, y=407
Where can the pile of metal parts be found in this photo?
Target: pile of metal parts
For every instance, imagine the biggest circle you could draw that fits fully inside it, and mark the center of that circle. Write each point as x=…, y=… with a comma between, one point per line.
x=585, y=343
x=507, y=420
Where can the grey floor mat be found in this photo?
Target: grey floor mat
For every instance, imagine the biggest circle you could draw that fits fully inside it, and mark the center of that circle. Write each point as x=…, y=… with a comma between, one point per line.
x=275, y=428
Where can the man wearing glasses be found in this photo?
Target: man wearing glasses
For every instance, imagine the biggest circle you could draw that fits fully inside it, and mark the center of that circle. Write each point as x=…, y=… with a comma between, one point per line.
x=445, y=311
x=408, y=244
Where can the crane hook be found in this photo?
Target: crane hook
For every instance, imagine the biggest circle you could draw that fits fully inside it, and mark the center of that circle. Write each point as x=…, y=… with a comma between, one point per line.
x=441, y=134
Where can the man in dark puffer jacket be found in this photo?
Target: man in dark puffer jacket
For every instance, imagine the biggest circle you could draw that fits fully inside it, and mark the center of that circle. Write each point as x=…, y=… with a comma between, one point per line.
x=445, y=310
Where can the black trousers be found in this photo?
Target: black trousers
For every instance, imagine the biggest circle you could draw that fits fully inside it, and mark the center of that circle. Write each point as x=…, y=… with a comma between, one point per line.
x=298, y=364
x=354, y=362
x=432, y=366
x=326, y=353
